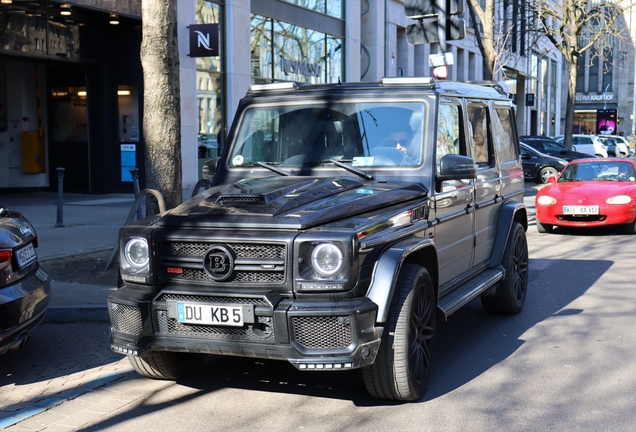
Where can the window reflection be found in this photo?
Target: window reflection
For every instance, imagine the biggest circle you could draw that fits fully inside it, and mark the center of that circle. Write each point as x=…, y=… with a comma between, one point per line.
x=209, y=78
x=287, y=52
x=329, y=7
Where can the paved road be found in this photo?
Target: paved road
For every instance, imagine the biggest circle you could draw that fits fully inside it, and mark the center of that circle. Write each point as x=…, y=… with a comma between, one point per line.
x=564, y=363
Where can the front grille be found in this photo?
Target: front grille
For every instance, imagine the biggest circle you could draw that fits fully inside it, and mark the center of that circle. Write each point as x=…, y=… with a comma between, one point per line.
x=322, y=332
x=125, y=318
x=266, y=263
x=262, y=331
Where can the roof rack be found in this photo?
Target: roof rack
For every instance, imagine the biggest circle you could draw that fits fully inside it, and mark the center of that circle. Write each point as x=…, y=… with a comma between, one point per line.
x=273, y=86
x=428, y=81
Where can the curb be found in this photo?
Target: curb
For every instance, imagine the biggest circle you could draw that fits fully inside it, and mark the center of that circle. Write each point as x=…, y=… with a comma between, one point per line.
x=78, y=313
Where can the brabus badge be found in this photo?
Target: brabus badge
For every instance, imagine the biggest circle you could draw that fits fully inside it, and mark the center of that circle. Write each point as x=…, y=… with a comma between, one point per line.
x=218, y=262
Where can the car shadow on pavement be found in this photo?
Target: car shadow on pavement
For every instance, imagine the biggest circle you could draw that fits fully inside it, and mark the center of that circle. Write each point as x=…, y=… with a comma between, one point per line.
x=468, y=345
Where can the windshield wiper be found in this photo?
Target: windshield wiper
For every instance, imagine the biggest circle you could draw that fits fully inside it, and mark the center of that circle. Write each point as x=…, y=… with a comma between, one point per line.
x=271, y=168
x=350, y=168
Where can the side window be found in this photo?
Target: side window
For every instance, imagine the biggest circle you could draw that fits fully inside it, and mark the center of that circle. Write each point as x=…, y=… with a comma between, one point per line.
x=478, y=133
x=503, y=137
x=448, y=137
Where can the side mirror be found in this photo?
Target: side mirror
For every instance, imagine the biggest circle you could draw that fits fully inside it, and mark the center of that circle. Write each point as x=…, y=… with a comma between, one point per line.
x=525, y=155
x=457, y=167
x=551, y=180
x=564, y=151
x=209, y=169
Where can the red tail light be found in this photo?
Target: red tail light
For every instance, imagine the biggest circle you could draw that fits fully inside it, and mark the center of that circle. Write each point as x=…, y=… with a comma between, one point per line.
x=5, y=258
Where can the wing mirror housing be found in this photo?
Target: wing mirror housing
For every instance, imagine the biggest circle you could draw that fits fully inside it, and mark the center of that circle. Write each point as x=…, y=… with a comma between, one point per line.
x=457, y=167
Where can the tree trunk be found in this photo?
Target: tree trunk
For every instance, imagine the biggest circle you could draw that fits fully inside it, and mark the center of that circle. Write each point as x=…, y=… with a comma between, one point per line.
x=161, y=119
x=569, y=107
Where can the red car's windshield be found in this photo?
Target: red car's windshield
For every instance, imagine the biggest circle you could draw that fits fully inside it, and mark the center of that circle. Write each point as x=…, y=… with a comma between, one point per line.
x=599, y=171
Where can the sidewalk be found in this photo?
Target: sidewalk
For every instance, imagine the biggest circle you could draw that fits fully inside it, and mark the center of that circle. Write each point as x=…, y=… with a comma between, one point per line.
x=91, y=223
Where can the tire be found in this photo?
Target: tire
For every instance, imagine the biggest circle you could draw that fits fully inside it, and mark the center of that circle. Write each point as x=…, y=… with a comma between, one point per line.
x=630, y=228
x=510, y=295
x=165, y=365
x=543, y=228
x=402, y=366
x=545, y=173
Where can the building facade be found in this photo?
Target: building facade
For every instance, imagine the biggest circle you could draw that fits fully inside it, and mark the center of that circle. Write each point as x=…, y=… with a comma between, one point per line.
x=605, y=92
x=71, y=86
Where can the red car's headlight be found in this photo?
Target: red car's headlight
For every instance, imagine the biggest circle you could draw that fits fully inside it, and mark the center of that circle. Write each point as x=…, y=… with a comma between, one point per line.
x=546, y=200
x=619, y=199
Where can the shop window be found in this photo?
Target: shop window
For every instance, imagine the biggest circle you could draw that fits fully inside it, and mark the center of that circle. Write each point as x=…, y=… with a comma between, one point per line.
x=288, y=52
x=328, y=7
x=210, y=138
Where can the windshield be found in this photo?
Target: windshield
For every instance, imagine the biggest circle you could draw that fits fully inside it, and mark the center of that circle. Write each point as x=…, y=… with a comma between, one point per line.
x=360, y=134
x=599, y=171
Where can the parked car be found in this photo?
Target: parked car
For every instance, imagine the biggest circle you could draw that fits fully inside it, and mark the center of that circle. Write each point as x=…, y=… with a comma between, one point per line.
x=538, y=166
x=589, y=193
x=323, y=244
x=620, y=144
x=25, y=289
x=550, y=147
x=590, y=144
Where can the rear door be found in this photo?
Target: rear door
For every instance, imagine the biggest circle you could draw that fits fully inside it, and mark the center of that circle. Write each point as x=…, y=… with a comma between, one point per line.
x=488, y=183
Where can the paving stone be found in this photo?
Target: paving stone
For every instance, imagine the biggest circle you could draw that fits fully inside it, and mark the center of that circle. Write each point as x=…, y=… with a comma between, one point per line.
x=79, y=419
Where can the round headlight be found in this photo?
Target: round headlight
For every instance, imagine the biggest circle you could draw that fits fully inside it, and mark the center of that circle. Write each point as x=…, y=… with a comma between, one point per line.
x=326, y=259
x=137, y=252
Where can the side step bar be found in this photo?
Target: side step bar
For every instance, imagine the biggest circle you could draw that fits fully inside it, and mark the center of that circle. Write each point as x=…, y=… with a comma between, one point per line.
x=471, y=289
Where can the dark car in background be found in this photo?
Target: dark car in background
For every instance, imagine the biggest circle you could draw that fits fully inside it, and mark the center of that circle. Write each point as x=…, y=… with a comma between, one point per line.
x=25, y=289
x=538, y=166
x=550, y=147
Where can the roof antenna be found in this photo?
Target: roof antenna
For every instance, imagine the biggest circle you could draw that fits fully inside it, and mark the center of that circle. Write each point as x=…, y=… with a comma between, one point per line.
x=339, y=80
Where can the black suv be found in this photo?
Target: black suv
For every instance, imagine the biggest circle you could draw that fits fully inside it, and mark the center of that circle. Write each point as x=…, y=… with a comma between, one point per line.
x=343, y=219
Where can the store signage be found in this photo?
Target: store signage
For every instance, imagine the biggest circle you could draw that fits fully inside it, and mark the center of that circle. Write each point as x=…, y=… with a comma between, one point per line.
x=204, y=40
x=299, y=67
x=594, y=97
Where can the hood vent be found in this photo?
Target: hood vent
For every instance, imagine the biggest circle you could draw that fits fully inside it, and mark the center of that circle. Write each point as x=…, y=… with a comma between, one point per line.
x=241, y=198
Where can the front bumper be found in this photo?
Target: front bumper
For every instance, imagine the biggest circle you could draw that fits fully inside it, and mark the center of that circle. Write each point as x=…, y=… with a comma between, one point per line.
x=608, y=215
x=309, y=334
x=23, y=306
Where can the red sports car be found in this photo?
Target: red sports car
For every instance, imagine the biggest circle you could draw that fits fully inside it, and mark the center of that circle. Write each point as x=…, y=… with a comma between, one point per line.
x=589, y=193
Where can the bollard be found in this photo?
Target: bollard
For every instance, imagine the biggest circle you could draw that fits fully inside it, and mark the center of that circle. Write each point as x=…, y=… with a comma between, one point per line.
x=135, y=176
x=60, y=198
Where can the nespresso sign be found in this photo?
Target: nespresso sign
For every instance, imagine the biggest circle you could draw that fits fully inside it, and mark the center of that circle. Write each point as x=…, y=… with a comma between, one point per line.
x=204, y=40
x=299, y=67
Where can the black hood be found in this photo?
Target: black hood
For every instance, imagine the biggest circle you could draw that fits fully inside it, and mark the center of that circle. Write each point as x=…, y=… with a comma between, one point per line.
x=288, y=202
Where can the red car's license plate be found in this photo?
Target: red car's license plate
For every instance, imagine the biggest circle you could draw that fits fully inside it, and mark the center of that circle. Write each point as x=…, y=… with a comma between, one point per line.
x=580, y=210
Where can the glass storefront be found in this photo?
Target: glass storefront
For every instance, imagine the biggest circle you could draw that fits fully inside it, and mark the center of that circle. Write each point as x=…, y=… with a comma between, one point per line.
x=210, y=104
x=288, y=52
x=328, y=7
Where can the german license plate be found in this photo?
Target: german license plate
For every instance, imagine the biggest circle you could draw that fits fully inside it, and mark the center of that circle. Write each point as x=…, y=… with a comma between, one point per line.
x=210, y=314
x=26, y=255
x=580, y=210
